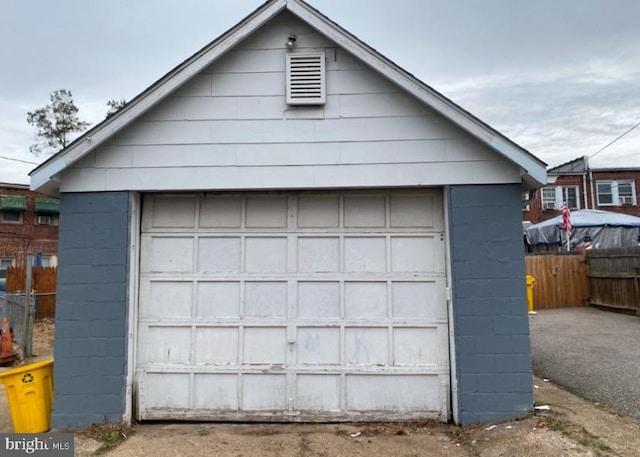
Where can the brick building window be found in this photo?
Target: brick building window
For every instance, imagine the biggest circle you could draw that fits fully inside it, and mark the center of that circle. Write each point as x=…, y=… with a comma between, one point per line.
x=4, y=264
x=615, y=193
x=11, y=217
x=46, y=219
x=11, y=208
x=553, y=197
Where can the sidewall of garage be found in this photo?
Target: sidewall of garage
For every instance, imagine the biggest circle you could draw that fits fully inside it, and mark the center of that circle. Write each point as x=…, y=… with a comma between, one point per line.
x=490, y=321
x=91, y=309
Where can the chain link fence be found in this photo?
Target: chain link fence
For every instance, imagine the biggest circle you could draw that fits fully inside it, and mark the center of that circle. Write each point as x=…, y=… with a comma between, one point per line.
x=20, y=314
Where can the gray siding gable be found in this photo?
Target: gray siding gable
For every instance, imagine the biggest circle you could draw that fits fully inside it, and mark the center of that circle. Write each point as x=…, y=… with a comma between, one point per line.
x=91, y=310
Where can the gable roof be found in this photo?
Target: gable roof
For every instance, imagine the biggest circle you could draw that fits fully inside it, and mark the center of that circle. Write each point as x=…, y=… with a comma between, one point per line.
x=575, y=166
x=44, y=178
x=580, y=166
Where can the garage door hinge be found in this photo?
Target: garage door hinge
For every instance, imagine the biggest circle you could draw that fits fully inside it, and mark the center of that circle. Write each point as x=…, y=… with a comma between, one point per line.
x=448, y=289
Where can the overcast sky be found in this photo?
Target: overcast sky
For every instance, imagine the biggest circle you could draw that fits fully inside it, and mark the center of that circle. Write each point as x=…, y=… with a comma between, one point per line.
x=559, y=77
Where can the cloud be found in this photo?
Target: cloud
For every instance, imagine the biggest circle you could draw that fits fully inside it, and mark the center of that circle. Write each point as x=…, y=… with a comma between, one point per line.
x=561, y=114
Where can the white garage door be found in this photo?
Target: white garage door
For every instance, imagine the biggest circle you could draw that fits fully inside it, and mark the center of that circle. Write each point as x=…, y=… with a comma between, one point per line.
x=297, y=306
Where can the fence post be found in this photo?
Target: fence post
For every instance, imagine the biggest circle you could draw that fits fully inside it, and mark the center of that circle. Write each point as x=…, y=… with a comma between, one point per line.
x=27, y=306
x=636, y=289
x=31, y=312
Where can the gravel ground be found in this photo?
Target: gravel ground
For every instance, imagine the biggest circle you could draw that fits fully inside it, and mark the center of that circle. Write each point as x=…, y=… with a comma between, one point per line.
x=594, y=354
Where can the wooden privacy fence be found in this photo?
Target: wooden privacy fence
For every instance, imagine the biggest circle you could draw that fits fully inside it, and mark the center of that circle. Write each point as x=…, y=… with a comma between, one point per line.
x=615, y=278
x=560, y=279
x=43, y=281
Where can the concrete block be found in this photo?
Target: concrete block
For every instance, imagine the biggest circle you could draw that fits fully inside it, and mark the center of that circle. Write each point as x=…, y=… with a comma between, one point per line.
x=476, y=325
x=510, y=325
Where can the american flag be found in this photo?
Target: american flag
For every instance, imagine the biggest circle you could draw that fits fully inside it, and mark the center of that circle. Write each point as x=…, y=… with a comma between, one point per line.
x=566, y=218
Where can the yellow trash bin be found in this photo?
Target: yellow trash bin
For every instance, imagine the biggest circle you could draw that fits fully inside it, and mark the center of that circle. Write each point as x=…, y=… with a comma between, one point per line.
x=30, y=395
x=530, y=283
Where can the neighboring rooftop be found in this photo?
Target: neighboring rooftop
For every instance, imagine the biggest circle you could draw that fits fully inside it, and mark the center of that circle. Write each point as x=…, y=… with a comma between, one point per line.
x=8, y=185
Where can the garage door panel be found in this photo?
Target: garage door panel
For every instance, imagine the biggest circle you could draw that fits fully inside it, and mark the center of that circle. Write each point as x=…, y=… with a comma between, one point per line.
x=409, y=211
x=266, y=212
x=318, y=299
x=174, y=212
x=319, y=212
x=166, y=299
x=266, y=255
x=221, y=211
x=392, y=392
x=265, y=345
x=217, y=345
x=416, y=299
x=318, y=392
x=167, y=390
x=264, y=392
x=365, y=300
x=414, y=254
x=364, y=211
x=365, y=255
x=220, y=390
x=219, y=255
x=166, y=345
x=318, y=346
x=218, y=299
x=293, y=305
x=265, y=299
x=167, y=254
x=319, y=255
x=416, y=346
x=367, y=346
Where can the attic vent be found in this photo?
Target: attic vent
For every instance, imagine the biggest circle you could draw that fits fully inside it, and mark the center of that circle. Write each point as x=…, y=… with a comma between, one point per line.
x=305, y=79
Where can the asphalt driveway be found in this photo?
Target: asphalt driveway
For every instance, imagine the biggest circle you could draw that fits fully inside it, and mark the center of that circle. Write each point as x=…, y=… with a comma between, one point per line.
x=592, y=353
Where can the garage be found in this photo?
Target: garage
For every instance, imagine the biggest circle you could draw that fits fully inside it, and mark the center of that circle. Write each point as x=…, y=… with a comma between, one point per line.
x=293, y=306
x=290, y=233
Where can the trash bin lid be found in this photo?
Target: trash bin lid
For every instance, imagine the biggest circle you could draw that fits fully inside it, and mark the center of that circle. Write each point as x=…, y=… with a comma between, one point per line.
x=25, y=368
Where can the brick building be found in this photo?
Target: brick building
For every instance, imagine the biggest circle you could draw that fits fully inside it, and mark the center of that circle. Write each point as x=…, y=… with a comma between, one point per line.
x=28, y=223
x=606, y=189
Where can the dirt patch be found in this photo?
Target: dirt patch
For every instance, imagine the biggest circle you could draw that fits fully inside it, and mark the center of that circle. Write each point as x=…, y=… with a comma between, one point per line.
x=593, y=422
x=44, y=333
x=571, y=427
x=296, y=440
x=516, y=438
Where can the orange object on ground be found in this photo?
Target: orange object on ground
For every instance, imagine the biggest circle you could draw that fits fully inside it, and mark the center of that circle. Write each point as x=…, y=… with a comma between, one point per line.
x=6, y=344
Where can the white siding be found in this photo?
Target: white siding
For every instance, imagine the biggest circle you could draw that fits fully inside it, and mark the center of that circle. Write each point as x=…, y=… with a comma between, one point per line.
x=222, y=127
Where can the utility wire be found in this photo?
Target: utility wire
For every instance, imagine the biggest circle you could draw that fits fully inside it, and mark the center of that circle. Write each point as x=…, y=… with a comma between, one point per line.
x=18, y=160
x=620, y=136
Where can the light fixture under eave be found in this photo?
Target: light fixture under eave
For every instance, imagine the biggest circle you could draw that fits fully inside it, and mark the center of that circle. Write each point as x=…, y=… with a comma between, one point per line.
x=291, y=42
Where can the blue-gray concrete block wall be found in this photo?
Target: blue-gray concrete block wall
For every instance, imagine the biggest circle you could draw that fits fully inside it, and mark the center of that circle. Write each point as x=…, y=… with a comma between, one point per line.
x=491, y=327
x=91, y=309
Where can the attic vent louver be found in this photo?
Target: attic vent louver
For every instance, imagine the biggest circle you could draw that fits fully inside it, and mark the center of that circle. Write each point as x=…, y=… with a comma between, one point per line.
x=306, y=79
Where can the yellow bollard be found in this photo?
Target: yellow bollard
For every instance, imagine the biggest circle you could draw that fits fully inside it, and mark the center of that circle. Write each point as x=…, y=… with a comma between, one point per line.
x=530, y=283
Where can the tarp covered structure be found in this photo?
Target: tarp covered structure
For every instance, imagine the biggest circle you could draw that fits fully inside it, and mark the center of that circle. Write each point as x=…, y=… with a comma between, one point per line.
x=604, y=228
